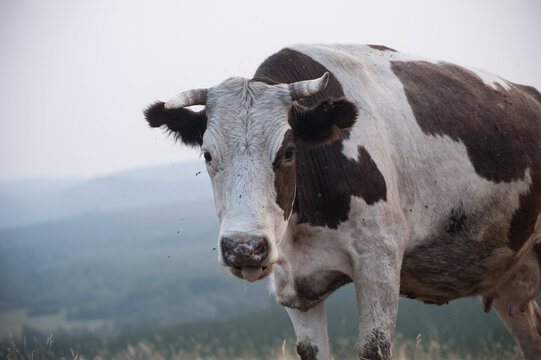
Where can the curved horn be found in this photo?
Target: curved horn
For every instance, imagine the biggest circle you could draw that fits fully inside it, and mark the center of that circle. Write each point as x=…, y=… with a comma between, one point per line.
x=187, y=98
x=302, y=89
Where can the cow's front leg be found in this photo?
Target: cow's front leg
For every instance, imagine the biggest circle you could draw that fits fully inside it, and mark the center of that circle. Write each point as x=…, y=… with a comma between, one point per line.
x=311, y=330
x=377, y=284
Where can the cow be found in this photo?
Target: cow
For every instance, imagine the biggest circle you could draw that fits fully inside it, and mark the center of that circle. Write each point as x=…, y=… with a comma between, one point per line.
x=406, y=176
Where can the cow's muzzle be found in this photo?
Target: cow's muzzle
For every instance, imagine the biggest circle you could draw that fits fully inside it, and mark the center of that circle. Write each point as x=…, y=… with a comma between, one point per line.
x=246, y=256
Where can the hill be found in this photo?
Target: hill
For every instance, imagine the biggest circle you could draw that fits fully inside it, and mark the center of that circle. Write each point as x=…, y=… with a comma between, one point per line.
x=33, y=201
x=133, y=253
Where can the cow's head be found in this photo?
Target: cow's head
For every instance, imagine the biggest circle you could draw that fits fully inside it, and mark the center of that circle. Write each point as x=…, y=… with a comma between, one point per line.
x=249, y=133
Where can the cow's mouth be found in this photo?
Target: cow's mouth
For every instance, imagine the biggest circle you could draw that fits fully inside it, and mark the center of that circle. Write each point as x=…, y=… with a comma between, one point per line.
x=251, y=273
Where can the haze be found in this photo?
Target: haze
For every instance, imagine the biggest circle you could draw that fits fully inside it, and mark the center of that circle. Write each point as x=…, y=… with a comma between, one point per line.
x=75, y=75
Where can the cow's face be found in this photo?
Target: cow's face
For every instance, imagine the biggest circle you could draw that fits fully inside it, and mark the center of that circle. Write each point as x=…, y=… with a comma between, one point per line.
x=249, y=133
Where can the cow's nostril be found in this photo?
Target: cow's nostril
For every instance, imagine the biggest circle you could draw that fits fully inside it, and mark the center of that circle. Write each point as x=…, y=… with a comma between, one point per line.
x=228, y=242
x=259, y=248
x=260, y=245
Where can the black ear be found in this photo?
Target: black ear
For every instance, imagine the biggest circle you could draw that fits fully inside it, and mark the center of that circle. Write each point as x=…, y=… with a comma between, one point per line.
x=188, y=126
x=320, y=124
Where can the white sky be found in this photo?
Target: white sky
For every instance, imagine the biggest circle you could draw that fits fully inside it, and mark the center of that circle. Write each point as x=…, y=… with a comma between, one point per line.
x=75, y=75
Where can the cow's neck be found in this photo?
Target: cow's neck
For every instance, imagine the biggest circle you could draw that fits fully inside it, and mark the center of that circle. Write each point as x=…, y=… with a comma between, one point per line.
x=327, y=179
x=319, y=185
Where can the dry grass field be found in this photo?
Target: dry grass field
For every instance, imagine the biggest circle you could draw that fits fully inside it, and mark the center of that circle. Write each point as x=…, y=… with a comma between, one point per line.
x=149, y=350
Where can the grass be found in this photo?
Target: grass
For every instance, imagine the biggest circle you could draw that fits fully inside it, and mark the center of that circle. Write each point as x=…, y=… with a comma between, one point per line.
x=157, y=349
x=269, y=335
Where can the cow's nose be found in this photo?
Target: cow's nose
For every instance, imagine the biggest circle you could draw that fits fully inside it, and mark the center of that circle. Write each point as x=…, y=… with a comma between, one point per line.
x=244, y=251
x=245, y=254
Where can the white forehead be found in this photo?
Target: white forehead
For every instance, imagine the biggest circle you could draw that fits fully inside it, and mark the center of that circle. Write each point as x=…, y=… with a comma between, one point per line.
x=246, y=115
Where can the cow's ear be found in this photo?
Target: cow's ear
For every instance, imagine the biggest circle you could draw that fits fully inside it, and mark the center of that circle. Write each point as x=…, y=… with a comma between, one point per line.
x=187, y=126
x=320, y=124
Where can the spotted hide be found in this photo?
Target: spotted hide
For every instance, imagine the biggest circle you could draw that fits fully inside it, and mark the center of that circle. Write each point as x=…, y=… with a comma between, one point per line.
x=406, y=176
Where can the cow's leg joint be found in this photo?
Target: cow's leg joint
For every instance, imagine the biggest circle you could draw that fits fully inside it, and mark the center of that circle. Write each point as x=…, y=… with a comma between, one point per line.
x=311, y=330
x=307, y=351
x=376, y=347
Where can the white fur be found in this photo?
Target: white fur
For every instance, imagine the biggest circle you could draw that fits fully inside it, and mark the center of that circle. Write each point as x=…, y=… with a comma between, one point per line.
x=490, y=79
x=246, y=124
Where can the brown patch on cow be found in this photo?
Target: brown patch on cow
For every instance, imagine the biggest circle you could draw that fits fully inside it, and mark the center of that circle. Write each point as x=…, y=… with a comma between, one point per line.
x=537, y=250
x=382, y=48
x=284, y=175
x=288, y=66
x=523, y=222
x=326, y=179
x=307, y=351
x=523, y=287
x=442, y=270
x=464, y=258
x=530, y=90
x=447, y=269
x=458, y=222
x=500, y=128
x=537, y=316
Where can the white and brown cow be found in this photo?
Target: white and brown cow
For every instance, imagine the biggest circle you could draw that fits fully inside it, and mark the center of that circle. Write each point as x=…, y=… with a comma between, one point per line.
x=340, y=164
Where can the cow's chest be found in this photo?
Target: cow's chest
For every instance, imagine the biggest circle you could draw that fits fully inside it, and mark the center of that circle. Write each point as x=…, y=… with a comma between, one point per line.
x=316, y=287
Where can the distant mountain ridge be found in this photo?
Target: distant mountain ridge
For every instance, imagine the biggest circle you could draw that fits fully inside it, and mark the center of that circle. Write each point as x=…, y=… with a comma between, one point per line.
x=34, y=201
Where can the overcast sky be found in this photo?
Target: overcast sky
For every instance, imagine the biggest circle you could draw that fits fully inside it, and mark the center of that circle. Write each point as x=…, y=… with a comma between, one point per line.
x=75, y=75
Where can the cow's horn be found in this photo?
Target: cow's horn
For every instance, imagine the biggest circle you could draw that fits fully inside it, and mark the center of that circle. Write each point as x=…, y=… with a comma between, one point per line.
x=187, y=98
x=302, y=89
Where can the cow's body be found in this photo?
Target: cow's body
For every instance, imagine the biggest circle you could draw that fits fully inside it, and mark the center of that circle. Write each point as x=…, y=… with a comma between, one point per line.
x=433, y=194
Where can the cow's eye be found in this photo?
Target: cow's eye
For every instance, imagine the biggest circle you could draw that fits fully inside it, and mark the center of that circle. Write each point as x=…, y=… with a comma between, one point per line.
x=290, y=153
x=207, y=156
